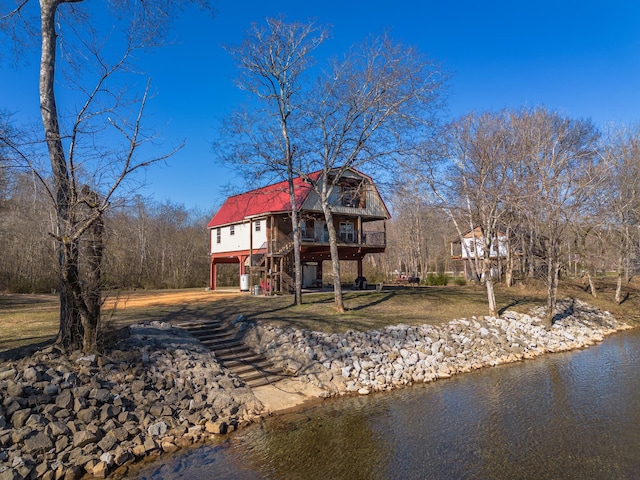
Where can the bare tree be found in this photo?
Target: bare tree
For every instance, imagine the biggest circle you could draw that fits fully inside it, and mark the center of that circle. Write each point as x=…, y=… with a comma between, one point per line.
x=27, y=261
x=272, y=61
x=5, y=154
x=479, y=152
x=621, y=195
x=558, y=169
x=86, y=177
x=380, y=102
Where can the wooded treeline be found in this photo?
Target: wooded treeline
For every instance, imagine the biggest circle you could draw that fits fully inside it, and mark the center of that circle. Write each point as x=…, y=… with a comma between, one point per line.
x=164, y=245
x=147, y=244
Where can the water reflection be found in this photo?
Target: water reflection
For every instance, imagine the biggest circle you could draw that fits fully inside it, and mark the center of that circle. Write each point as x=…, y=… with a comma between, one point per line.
x=573, y=415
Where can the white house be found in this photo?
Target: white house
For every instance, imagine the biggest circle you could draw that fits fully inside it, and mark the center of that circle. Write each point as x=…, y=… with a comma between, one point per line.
x=473, y=246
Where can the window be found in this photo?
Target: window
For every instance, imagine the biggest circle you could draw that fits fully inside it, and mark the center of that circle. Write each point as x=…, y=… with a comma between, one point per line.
x=352, y=196
x=258, y=226
x=346, y=232
x=218, y=235
x=321, y=232
x=232, y=230
x=307, y=229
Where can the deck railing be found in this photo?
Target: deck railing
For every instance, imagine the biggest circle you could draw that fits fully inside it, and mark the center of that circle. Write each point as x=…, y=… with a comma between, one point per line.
x=369, y=239
x=374, y=239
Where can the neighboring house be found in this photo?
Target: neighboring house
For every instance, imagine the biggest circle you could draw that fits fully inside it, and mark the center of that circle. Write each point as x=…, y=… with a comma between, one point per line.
x=472, y=247
x=254, y=229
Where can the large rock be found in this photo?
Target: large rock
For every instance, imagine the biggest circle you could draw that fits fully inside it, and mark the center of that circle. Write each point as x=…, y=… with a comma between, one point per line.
x=8, y=373
x=31, y=375
x=56, y=429
x=100, y=470
x=83, y=438
x=217, y=427
x=65, y=400
x=37, y=443
x=19, y=417
x=157, y=429
x=14, y=389
x=101, y=394
x=87, y=415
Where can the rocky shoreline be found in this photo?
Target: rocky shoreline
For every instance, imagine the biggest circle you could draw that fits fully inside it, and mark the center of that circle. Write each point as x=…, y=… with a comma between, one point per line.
x=403, y=355
x=159, y=390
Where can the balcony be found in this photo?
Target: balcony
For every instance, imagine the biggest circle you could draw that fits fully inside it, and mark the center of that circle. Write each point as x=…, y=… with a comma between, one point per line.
x=371, y=239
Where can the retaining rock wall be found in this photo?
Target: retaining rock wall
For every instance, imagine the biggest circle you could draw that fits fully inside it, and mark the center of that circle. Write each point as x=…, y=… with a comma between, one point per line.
x=401, y=355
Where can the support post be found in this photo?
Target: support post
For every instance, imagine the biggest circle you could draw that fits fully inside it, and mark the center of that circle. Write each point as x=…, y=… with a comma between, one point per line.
x=213, y=275
x=250, y=254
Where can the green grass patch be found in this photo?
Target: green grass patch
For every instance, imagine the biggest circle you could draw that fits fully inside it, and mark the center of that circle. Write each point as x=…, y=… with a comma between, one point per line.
x=31, y=319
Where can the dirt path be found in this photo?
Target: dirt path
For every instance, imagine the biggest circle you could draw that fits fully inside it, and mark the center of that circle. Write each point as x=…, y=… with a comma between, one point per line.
x=156, y=298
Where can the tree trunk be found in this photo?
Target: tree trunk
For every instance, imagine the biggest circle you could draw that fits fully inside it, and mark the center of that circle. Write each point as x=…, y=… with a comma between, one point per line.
x=553, y=270
x=70, y=324
x=94, y=249
x=592, y=285
x=618, y=297
x=508, y=272
x=335, y=257
x=67, y=253
x=491, y=297
x=297, y=262
x=531, y=256
x=488, y=279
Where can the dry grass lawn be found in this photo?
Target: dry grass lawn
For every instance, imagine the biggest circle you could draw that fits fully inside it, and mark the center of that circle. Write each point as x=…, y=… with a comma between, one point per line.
x=32, y=319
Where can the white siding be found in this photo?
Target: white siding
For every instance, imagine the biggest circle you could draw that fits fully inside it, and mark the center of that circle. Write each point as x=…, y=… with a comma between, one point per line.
x=480, y=251
x=239, y=241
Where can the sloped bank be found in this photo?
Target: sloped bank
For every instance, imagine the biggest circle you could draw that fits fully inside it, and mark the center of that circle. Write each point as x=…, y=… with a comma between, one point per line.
x=158, y=391
x=402, y=355
x=161, y=389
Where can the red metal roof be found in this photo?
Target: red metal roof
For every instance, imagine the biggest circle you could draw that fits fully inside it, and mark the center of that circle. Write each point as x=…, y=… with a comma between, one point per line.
x=270, y=199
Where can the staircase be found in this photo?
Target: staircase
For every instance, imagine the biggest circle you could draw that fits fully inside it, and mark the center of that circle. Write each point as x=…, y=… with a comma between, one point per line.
x=253, y=369
x=287, y=282
x=284, y=249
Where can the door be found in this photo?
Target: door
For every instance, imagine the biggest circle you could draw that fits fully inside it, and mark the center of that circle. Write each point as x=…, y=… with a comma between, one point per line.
x=309, y=274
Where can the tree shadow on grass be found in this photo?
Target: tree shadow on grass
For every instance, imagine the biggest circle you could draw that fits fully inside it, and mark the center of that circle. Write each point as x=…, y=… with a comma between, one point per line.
x=378, y=301
x=17, y=353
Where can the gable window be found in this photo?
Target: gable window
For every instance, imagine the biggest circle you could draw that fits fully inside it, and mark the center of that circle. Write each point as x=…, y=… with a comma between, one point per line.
x=352, y=196
x=232, y=230
x=218, y=235
x=258, y=226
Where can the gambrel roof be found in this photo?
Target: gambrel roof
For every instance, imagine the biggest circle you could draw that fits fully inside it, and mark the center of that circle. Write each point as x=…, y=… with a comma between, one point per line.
x=273, y=199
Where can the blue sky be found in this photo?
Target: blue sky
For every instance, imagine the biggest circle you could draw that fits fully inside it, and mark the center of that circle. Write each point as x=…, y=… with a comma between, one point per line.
x=579, y=57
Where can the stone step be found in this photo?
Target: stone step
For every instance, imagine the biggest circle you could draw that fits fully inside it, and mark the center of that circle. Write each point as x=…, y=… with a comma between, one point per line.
x=208, y=331
x=239, y=350
x=200, y=325
x=259, y=382
x=252, y=368
x=256, y=360
x=218, y=342
x=265, y=368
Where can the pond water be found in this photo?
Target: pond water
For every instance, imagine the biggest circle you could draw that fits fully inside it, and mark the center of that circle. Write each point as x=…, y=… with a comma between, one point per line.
x=573, y=415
